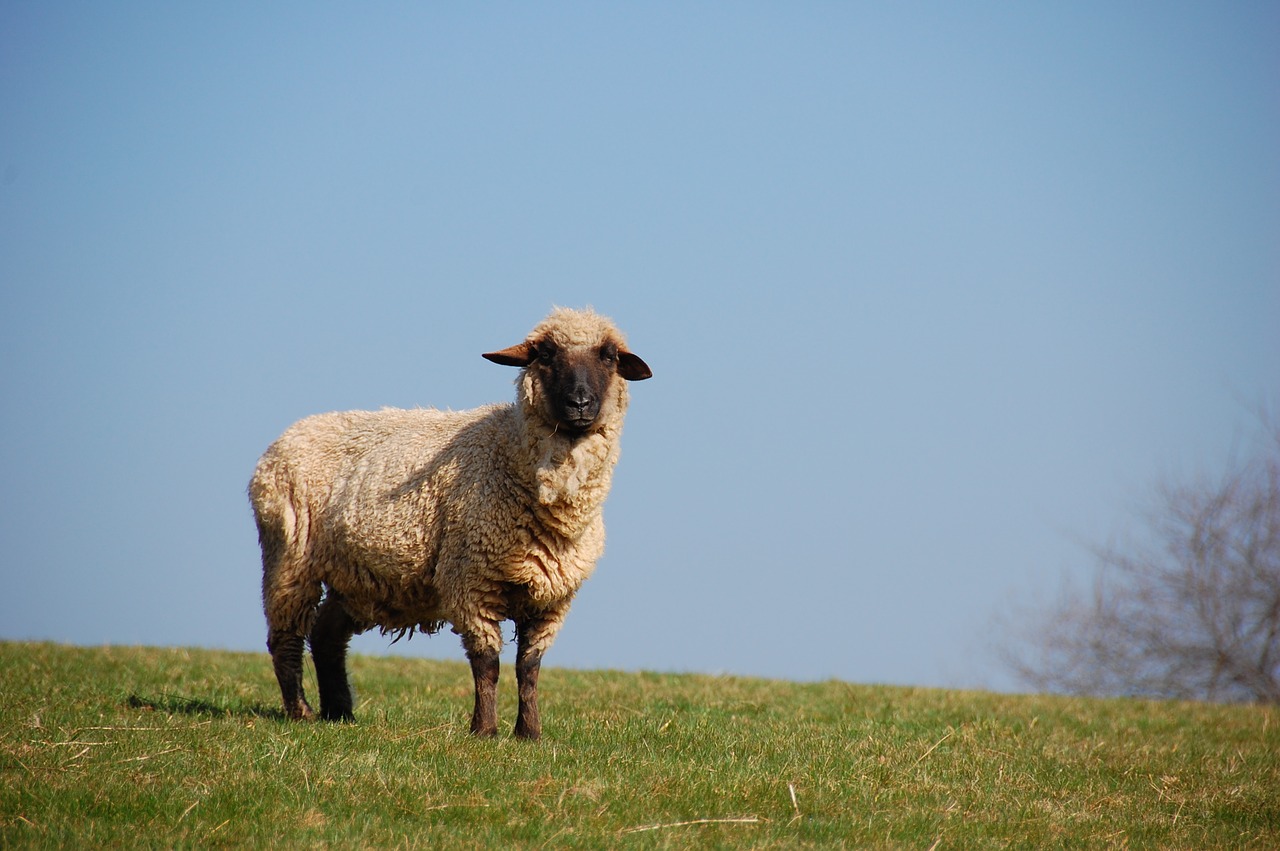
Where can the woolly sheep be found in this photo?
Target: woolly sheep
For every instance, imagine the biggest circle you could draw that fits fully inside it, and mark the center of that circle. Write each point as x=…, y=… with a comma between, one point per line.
x=411, y=519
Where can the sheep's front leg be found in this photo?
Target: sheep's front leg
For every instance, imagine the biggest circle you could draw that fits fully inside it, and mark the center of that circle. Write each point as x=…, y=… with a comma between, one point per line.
x=534, y=636
x=482, y=639
x=484, y=669
x=528, y=664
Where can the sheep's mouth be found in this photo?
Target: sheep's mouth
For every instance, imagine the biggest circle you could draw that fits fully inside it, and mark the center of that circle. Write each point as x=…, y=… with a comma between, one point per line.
x=577, y=418
x=577, y=422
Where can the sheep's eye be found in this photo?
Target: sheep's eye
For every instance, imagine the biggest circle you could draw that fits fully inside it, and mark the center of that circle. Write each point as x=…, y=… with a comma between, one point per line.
x=546, y=353
x=608, y=354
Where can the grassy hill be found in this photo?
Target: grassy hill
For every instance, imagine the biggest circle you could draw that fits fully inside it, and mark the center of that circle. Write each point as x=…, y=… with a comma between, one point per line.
x=186, y=748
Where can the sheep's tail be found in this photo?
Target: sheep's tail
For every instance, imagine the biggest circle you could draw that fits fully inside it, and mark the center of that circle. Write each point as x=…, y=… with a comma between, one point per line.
x=290, y=591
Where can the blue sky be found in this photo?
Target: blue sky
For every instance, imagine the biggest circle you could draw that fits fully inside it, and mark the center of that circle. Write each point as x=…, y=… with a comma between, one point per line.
x=933, y=294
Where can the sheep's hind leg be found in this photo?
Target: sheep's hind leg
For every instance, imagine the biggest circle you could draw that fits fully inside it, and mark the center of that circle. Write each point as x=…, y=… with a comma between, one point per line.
x=329, y=638
x=286, y=658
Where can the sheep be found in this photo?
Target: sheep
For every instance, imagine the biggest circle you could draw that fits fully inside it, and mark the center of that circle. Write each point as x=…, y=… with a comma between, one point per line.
x=412, y=519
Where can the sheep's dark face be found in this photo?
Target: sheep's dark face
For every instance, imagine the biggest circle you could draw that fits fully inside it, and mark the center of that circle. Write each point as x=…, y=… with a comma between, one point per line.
x=574, y=380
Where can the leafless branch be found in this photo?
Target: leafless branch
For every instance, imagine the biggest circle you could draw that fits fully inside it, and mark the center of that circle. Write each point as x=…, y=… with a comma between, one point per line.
x=1191, y=612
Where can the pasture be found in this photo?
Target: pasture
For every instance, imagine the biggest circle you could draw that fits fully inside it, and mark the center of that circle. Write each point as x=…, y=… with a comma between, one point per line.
x=174, y=748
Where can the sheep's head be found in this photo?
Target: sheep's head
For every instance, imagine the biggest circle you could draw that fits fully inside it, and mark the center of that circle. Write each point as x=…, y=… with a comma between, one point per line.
x=574, y=359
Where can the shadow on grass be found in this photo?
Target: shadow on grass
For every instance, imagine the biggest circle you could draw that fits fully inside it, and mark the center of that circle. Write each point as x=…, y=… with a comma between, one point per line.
x=176, y=704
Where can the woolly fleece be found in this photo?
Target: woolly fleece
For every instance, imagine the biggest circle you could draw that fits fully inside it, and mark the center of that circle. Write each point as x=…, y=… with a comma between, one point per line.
x=422, y=517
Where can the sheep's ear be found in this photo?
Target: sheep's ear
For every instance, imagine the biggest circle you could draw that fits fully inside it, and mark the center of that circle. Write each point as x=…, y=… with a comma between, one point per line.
x=518, y=355
x=632, y=368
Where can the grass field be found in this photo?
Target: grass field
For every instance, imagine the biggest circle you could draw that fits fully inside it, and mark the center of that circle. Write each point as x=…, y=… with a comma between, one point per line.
x=131, y=747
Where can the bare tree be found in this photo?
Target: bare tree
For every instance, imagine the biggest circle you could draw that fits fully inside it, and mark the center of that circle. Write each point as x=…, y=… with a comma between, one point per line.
x=1194, y=613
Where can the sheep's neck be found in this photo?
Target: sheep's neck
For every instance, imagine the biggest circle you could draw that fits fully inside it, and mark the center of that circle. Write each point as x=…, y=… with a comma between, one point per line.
x=570, y=479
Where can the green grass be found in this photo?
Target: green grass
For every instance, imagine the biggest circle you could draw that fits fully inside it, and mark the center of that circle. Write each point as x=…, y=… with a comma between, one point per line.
x=168, y=748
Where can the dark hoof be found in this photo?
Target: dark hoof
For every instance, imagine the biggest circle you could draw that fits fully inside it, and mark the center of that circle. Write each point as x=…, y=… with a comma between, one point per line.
x=300, y=711
x=339, y=717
